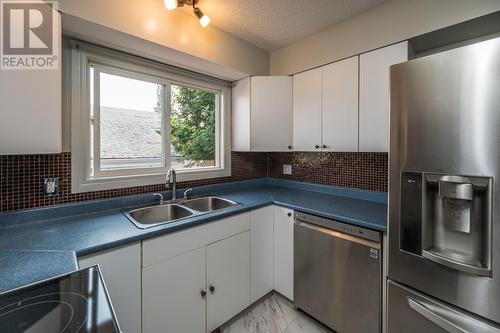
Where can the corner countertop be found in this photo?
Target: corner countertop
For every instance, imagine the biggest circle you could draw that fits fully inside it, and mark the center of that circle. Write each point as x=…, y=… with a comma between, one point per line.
x=40, y=243
x=42, y=265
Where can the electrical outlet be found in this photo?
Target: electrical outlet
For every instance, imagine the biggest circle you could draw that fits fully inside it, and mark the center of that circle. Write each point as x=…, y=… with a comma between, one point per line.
x=287, y=169
x=50, y=186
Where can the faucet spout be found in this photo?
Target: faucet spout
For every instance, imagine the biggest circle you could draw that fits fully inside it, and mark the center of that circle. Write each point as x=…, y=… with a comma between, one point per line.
x=171, y=177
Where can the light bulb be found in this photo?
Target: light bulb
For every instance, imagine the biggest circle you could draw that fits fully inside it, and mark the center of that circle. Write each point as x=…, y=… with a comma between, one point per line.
x=204, y=19
x=170, y=4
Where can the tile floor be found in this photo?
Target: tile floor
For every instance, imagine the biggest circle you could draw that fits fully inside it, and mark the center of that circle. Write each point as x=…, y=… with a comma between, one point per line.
x=274, y=315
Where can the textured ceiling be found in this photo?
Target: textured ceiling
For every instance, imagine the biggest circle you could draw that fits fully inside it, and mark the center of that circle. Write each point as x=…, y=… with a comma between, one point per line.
x=271, y=24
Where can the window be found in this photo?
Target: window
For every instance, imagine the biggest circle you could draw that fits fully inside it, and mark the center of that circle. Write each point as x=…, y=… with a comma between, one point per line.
x=133, y=119
x=126, y=123
x=193, y=127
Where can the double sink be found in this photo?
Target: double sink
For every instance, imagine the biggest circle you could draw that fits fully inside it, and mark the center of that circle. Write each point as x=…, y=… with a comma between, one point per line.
x=151, y=216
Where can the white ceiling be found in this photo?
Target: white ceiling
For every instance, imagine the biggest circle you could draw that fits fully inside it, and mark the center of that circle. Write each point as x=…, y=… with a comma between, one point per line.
x=271, y=24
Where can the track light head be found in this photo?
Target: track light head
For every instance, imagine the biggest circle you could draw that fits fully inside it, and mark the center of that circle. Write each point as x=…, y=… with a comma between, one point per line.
x=170, y=4
x=204, y=19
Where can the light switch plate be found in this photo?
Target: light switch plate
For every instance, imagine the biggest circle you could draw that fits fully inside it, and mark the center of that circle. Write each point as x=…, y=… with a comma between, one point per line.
x=287, y=169
x=50, y=186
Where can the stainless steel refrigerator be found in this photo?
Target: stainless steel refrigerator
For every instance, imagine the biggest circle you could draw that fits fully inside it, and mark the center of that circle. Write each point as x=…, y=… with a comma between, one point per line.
x=444, y=198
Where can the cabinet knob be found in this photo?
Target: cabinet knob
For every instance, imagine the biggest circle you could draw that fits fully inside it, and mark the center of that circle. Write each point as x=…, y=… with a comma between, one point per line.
x=317, y=146
x=289, y=214
x=289, y=147
x=325, y=146
x=203, y=293
x=212, y=289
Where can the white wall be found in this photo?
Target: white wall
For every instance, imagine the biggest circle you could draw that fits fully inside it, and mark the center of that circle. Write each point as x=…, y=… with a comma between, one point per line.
x=177, y=30
x=391, y=22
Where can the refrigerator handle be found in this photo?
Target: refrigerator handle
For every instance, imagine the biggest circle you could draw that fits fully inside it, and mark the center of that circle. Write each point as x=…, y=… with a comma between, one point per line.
x=450, y=320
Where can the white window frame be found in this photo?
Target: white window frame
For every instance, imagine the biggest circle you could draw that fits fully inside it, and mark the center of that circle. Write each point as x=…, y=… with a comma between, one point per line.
x=83, y=56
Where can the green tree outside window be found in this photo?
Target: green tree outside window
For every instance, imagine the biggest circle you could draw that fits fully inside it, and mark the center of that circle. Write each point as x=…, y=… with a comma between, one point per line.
x=193, y=125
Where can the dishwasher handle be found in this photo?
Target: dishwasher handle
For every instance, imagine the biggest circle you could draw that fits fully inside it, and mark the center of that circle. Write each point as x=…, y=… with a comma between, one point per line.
x=338, y=234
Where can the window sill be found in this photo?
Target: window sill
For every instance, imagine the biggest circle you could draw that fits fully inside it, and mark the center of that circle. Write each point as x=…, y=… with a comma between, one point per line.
x=120, y=182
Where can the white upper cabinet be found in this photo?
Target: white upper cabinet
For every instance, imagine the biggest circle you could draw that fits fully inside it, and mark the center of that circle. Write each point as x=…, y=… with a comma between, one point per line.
x=374, y=95
x=325, y=108
x=262, y=114
x=30, y=108
x=340, y=106
x=307, y=111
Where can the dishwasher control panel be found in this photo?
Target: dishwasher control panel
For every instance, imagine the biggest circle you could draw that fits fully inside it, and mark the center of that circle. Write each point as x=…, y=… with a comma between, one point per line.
x=339, y=226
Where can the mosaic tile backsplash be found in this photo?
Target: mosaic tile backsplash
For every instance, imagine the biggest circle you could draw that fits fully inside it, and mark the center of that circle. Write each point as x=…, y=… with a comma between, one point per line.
x=366, y=171
x=21, y=176
x=21, y=179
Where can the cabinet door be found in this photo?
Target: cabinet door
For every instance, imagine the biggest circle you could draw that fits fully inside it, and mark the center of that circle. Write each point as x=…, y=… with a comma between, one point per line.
x=121, y=270
x=240, y=116
x=261, y=252
x=283, y=251
x=228, y=279
x=271, y=113
x=31, y=108
x=340, y=106
x=172, y=301
x=307, y=111
x=374, y=95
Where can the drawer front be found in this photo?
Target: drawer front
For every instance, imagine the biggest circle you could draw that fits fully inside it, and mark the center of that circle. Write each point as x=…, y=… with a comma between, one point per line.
x=412, y=312
x=171, y=245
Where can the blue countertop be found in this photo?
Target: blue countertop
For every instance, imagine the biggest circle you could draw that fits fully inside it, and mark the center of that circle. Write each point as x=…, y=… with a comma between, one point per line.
x=22, y=267
x=40, y=243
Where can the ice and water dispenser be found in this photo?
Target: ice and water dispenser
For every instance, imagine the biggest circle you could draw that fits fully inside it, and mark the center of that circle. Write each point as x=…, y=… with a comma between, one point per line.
x=447, y=219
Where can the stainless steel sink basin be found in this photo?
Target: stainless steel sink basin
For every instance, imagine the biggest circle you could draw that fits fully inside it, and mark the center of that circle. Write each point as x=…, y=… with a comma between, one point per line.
x=209, y=204
x=172, y=212
x=155, y=215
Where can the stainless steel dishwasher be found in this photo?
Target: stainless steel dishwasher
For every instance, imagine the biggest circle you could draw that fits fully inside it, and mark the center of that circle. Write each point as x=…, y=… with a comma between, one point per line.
x=337, y=274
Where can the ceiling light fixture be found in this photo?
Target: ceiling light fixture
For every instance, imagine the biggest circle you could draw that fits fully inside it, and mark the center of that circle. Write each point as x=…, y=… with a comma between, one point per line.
x=173, y=4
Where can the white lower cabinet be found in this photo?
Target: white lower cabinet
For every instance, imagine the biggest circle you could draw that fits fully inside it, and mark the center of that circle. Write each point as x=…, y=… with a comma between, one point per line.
x=172, y=299
x=198, y=289
x=228, y=279
x=121, y=270
x=195, y=280
x=261, y=252
x=283, y=251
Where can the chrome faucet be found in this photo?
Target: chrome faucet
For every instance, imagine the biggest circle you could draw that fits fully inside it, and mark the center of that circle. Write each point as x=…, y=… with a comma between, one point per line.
x=171, y=177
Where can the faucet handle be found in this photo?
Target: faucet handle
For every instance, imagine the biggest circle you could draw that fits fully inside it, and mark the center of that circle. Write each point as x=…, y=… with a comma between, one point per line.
x=187, y=193
x=161, y=197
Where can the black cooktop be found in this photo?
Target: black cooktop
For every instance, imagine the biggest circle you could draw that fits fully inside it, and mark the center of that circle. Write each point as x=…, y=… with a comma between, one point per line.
x=75, y=302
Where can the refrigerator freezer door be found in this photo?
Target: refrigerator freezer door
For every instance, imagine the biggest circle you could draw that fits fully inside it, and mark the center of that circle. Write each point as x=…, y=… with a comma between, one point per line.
x=412, y=312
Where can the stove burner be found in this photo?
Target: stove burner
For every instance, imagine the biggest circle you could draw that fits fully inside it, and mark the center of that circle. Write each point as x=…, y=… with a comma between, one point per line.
x=73, y=303
x=53, y=304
